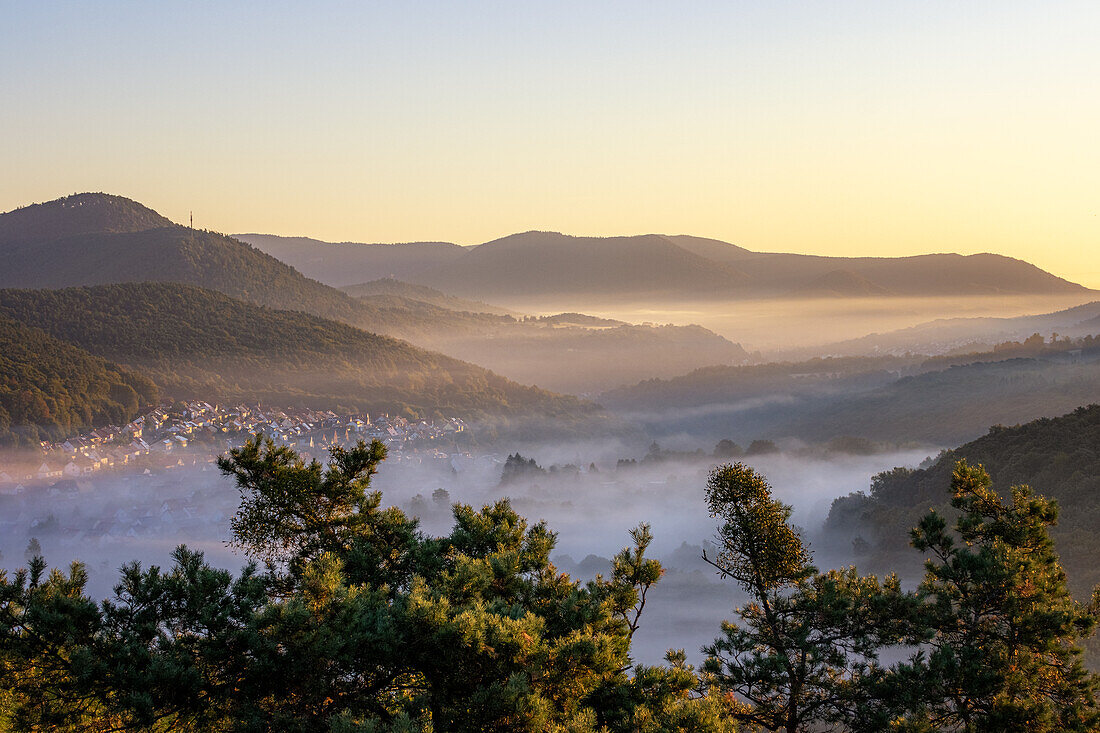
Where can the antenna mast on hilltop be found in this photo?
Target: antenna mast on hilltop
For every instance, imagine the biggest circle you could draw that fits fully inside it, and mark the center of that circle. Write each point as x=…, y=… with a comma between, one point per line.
x=192, y=213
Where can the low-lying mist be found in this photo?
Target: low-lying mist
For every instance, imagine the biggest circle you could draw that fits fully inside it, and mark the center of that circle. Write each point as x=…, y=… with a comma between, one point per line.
x=799, y=327
x=583, y=492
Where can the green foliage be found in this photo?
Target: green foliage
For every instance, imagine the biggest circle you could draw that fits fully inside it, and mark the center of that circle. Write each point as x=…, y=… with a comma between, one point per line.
x=48, y=633
x=1056, y=456
x=50, y=390
x=757, y=547
x=992, y=631
x=363, y=623
x=198, y=343
x=293, y=511
x=632, y=575
x=806, y=641
x=1004, y=653
x=360, y=623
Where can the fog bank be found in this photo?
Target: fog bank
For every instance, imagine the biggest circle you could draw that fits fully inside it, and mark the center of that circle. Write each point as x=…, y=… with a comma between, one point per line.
x=591, y=504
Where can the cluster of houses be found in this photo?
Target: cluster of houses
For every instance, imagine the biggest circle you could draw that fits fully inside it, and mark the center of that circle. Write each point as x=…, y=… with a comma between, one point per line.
x=152, y=479
x=197, y=432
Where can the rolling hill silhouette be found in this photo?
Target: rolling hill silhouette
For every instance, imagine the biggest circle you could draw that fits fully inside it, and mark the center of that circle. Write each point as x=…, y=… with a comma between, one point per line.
x=534, y=264
x=96, y=239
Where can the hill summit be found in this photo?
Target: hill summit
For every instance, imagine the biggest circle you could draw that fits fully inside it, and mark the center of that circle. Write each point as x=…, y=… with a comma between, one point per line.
x=98, y=239
x=81, y=213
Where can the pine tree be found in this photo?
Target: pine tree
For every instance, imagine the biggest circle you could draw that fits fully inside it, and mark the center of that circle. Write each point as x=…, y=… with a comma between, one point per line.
x=806, y=640
x=360, y=623
x=1005, y=654
x=33, y=550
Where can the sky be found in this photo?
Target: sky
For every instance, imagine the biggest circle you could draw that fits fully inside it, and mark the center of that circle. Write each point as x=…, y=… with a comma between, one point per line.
x=839, y=128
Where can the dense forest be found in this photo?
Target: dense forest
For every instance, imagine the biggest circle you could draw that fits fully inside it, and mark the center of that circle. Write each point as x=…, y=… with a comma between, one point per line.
x=359, y=621
x=199, y=343
x=172, y=254
x=50, y=389
x=1057, y=457
x=82, y=213
x=96, y=239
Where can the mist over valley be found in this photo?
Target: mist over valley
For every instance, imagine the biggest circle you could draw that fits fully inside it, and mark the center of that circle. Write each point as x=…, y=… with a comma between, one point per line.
x=581, y=489
x=591, y=384
x=577, y=367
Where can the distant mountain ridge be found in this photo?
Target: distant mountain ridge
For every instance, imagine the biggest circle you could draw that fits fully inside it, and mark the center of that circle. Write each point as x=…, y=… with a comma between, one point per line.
x=393, y=288
x=75, y=240
x=51, y=246
x=342, y=264
x=952, y=334
x=548, y=262
x=534, y=264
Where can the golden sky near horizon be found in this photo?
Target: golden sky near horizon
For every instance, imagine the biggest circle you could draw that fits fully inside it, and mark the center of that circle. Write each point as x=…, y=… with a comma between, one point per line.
x=829, y=128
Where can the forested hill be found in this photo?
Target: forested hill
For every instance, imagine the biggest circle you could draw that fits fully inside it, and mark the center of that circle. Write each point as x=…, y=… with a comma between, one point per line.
x=50, y=389
x=202, y=343
x=1058, y=457
x=57, y=245
x=173, y=254
x=948, y=405
x=938, y=401
x=97, y=239
x=82, y=213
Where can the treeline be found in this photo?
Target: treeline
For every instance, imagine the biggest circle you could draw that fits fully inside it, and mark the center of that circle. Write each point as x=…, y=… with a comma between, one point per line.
x=361, y=622
x=719, y=384
x=200, y=343
x=1058, y=457
x=1034, y=345
x=899, y=399
x=957, y=403
x=50, y=390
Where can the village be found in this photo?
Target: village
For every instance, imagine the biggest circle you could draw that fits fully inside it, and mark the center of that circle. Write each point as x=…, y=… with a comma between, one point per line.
x=153, y=480
x=196, y=432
